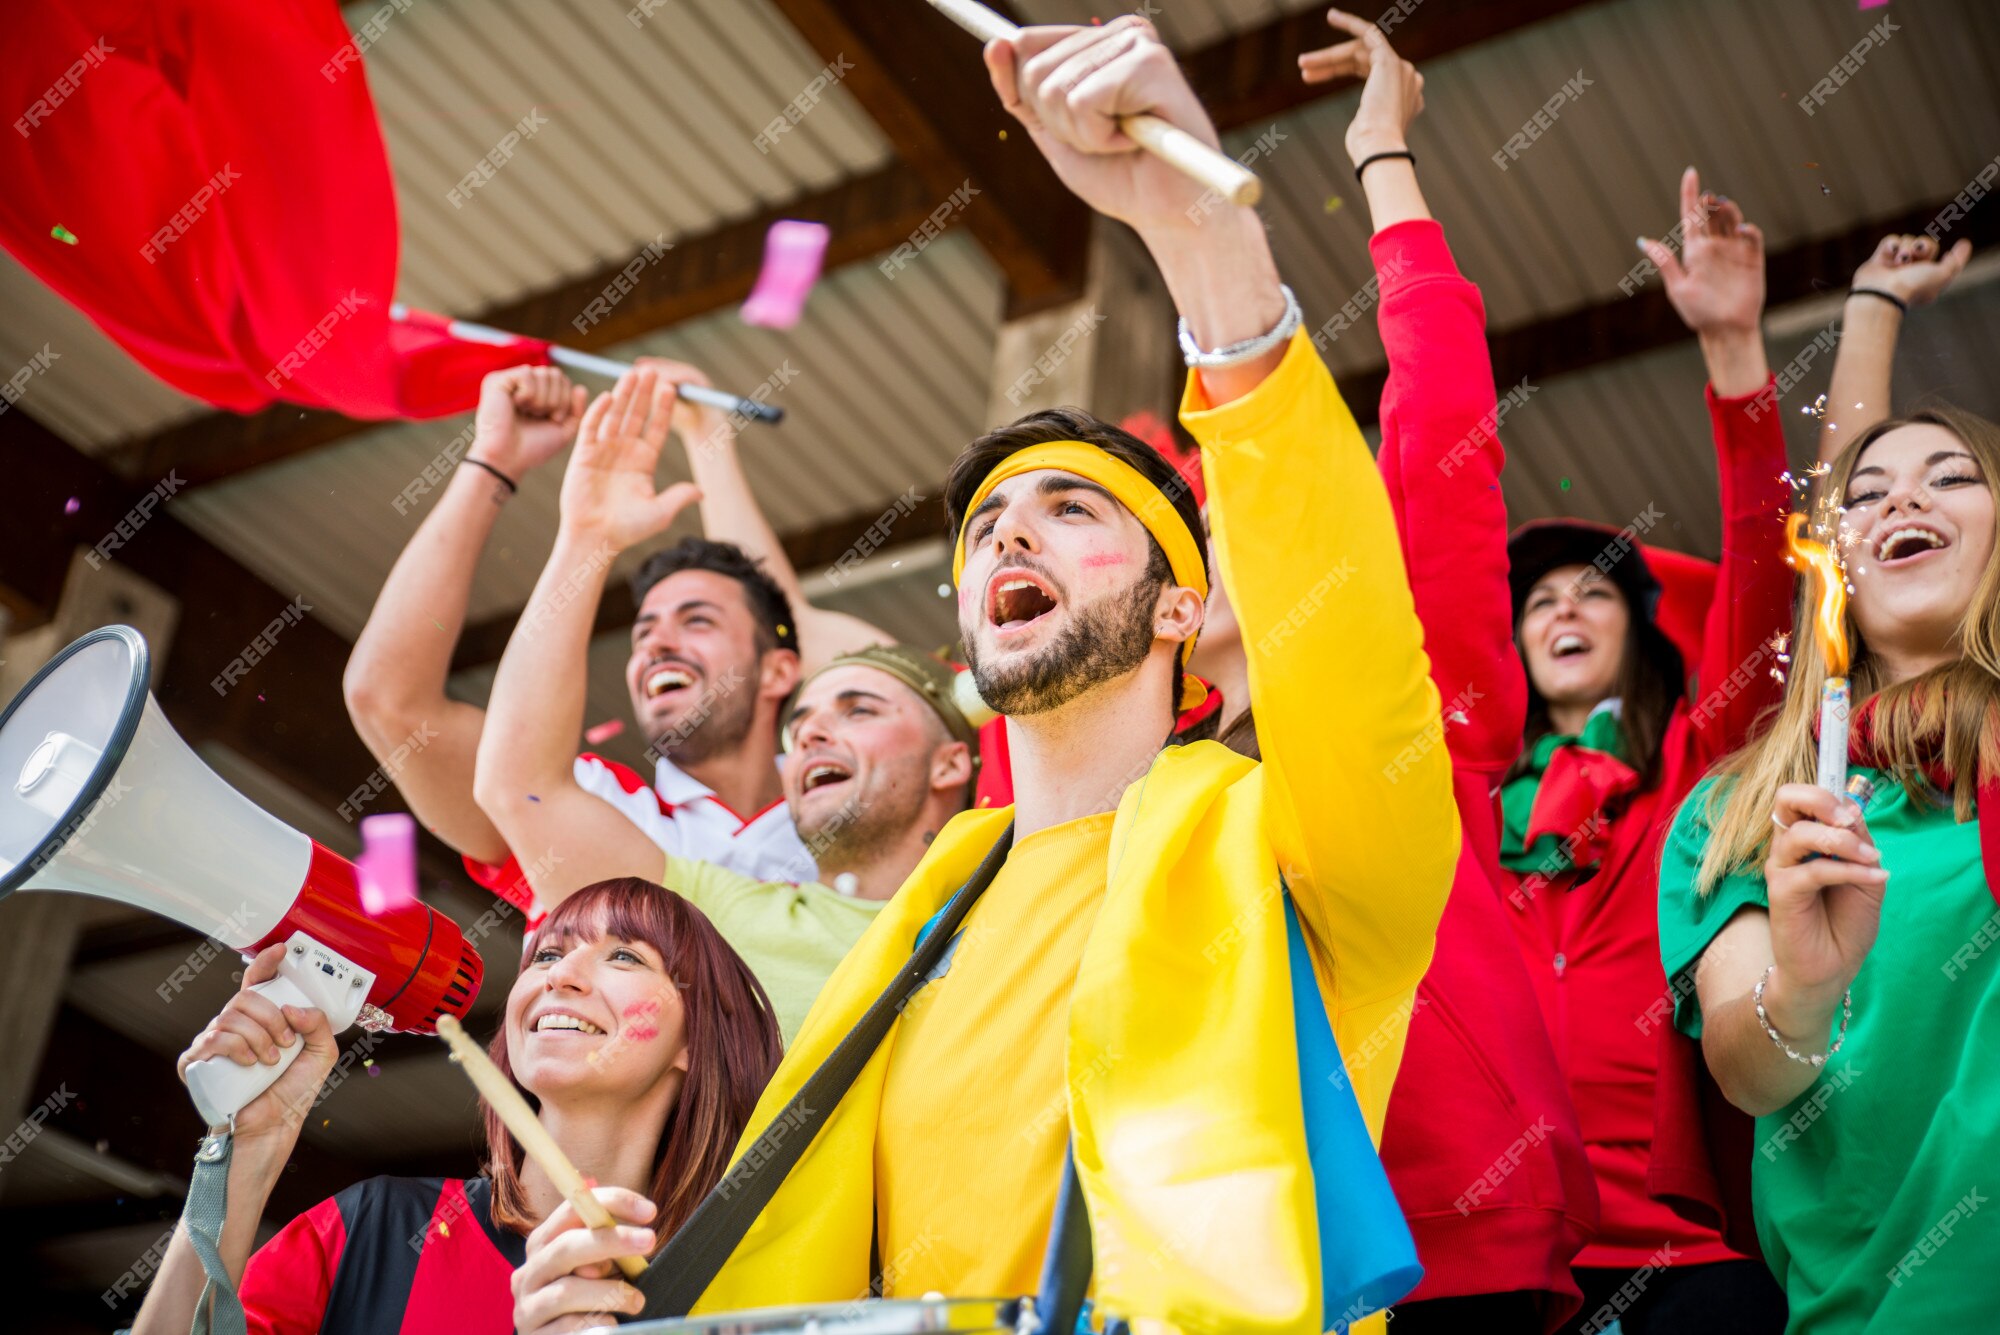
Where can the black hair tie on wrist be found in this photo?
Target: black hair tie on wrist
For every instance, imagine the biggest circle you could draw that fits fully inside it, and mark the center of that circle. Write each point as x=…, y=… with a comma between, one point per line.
x=513, y=487
x=1364, y=164
x=1889, y=297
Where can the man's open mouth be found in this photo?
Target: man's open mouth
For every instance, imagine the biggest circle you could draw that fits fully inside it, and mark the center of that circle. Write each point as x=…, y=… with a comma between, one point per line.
x=823, y=773
x=1017, y=598
x=667, y=678
x=1908, y=543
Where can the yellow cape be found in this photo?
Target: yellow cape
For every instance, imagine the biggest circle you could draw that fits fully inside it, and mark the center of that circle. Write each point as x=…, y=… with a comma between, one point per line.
x=1190, y=1143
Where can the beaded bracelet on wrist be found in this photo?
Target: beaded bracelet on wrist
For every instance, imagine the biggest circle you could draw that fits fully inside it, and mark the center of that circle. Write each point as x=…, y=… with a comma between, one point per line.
x=1817, y=1059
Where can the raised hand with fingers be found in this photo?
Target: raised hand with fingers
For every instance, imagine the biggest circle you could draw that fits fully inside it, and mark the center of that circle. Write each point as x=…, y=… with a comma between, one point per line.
x=1391, y=96
x=1910, y=268
x=1826, y=883
x=251, y=1029
x=1717, y=283
x=1069, y=85
x=608, y=494
x=568, y=1280
x=526, y=415
x=1717, y=286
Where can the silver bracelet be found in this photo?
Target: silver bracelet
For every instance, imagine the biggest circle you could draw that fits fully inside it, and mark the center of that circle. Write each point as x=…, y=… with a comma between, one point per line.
x=1818, y=1059
x=1248, y=349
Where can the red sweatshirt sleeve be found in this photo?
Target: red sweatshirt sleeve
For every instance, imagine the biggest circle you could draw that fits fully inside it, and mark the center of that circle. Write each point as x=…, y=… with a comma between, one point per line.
x=286, y=1284
x=1441, y=457
x=1753, y=591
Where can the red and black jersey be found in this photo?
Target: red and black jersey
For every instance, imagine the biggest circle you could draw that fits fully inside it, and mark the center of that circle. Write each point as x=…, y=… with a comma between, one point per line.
x=389, y=1256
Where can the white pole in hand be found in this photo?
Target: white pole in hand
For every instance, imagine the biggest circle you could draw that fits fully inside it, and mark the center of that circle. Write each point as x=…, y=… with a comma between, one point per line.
x=533, y=1138
x=1169, y=143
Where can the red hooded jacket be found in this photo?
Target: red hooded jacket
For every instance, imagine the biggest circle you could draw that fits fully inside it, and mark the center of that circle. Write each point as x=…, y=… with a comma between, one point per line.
x=1481, y=1143
x=1650, y=1115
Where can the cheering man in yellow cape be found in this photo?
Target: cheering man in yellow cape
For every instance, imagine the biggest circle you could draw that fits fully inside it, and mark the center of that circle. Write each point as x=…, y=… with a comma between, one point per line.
x=1122, y=990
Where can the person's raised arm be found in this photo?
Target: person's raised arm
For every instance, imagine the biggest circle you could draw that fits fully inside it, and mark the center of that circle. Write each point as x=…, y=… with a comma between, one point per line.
x=1390, y=100
x=395, y=678
x=730, y=513
x=1441, y=455
x=1068, y=87
x=1717, y=287
x=1904, y=271
x=1300, y=523
x=249, y=1030
x=526, y=778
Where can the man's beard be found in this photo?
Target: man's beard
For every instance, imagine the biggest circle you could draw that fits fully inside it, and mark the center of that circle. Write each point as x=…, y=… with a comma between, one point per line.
x=1104, y=640
x=866, y=825
x=718, y=723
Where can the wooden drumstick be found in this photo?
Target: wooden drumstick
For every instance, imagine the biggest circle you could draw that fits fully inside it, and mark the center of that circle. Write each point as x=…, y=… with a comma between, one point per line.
x=503, y=1098
x=1169, y=143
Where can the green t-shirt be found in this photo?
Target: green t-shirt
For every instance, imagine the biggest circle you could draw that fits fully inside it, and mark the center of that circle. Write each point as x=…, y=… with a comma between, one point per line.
x=791, y=936
x=1875, y=1190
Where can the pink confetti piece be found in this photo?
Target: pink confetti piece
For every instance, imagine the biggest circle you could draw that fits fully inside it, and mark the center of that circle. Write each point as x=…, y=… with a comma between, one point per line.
x=1873, y=4
x=388, y=863
x=72, y=505
x=792, y=255
x=603, y=732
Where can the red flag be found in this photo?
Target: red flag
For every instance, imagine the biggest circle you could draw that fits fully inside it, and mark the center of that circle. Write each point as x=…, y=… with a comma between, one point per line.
x=206, y=180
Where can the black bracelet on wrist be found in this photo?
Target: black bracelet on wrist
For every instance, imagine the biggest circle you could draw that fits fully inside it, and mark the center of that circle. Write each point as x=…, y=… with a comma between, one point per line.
x=1364, y=164
x=513, y=487
x=1889, y=297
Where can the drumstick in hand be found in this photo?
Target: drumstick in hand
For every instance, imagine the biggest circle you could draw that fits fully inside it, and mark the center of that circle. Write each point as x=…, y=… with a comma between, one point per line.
x=503, y=1098
x=1169, y=143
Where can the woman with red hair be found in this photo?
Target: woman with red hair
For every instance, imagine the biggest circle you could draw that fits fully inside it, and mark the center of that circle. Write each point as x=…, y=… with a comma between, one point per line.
x=642, y=1039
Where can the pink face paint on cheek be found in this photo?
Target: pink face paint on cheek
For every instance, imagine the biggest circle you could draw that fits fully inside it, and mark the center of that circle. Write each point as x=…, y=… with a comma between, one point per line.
x=1102, y=560
x=639, y=1014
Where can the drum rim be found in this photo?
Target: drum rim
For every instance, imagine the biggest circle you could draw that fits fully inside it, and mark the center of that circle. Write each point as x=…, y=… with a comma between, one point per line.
x=994, y=1313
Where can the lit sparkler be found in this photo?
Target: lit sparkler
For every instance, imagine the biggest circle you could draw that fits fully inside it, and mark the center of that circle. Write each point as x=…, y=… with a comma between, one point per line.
x=1822, y=557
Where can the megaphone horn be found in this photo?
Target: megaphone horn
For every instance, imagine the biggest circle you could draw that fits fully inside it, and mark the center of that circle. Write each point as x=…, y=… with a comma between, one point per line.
x=100, y=796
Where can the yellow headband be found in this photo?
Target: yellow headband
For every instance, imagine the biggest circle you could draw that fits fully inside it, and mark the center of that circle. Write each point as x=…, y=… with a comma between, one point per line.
x=1148, y=504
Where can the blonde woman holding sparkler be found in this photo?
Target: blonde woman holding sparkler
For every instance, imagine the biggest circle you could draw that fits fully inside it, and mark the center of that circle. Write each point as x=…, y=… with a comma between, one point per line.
x=1855, y=1021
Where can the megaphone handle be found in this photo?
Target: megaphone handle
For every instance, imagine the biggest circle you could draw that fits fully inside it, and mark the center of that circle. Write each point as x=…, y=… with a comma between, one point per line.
x=221, y=1087
x=310, y=976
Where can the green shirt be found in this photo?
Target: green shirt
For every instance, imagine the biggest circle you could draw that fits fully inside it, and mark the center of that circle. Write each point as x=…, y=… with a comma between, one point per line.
x=791, y=936
x=1875, y=1190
